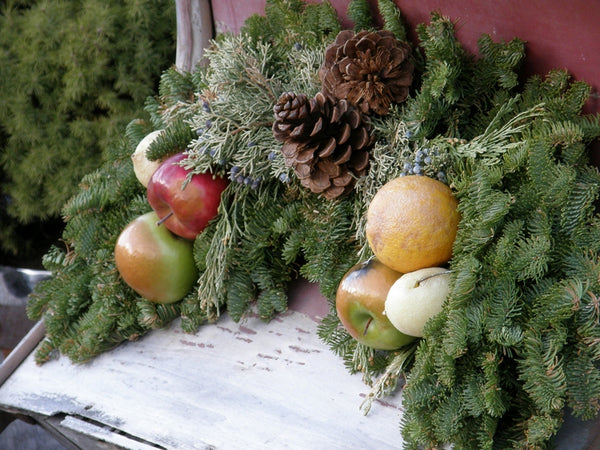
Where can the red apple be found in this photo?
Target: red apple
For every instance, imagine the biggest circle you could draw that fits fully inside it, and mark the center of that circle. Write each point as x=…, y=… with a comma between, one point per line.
x=185, y=205
x=360, y=305
x=154, y=262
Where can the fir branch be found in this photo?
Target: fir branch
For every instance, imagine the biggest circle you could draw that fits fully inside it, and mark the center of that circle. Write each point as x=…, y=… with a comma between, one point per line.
x=136, y=130
x=359, y=13
x=392, y=19
x=545, y=381
x=521, y=243
x=287, y=21
x=503, y=61
x=240, y=294
x=330, y=330
x=324, y=17
x=445, y=59
x=583, y=382
x=153, y=316
x=579, y=206
x=495, y=395
x=173, y=139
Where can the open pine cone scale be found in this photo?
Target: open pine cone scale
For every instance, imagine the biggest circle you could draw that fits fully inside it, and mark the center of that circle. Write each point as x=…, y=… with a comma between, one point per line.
x=369, y=69
x=327, y=143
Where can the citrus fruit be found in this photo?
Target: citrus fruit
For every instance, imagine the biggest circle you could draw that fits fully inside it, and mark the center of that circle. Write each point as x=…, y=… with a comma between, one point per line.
x=360, y=304
x=412, y=223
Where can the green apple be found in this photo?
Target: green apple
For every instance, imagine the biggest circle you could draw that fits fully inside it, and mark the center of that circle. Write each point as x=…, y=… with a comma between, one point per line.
x=142, y=166
x=154, y=262
x=416, y=297
x=360, y=302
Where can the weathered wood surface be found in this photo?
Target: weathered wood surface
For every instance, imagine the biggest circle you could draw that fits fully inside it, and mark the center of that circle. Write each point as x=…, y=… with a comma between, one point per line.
x=194, y=31
x=230, y=385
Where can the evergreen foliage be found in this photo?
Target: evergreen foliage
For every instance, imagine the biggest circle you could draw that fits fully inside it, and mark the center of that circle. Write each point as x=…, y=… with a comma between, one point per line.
x=392, y=19
x=505, y=339
x=285, y=21
x=73, y=73
x=516, y=343
x=359, y=13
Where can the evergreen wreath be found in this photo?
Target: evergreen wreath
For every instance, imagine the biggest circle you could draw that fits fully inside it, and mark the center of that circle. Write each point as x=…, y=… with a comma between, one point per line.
x=518, y=341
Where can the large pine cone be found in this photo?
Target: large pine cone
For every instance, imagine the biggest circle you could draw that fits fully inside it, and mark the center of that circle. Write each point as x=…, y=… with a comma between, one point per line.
x=369, y=69
x=326, y=143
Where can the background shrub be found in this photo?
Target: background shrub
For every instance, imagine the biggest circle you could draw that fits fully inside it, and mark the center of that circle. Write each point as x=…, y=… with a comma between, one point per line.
x=73, y=73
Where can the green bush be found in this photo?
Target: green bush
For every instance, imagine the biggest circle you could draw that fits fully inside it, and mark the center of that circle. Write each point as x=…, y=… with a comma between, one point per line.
x=72, y=75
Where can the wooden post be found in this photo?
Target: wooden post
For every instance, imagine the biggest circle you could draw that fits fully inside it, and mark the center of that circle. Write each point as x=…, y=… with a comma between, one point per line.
x=194, y=31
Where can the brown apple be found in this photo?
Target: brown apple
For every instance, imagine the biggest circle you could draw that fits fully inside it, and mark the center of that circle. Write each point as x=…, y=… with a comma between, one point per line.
x=360, y=305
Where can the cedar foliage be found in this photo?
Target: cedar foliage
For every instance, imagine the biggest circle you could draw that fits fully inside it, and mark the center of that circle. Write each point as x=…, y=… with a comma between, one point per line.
x=517, y=341
x=72, y=74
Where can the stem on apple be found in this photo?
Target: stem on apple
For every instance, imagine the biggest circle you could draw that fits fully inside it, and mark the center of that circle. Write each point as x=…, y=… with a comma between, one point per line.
x=163, y=220
x=367, y=326
x=433, y=275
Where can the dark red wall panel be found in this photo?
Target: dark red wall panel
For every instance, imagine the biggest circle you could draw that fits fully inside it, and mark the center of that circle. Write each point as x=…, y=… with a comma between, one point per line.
x=559, y=34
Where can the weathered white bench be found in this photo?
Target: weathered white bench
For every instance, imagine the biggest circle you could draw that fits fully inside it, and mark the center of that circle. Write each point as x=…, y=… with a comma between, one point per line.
x=230, y=385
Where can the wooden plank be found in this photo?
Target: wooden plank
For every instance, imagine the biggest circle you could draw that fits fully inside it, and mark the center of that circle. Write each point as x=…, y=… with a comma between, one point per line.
x=86, y=434
x=230, y=385
x=194, y=31
x=20, y=352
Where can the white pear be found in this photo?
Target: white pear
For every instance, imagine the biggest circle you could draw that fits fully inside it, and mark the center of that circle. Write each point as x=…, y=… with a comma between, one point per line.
x=416, y=297
x=142, y=166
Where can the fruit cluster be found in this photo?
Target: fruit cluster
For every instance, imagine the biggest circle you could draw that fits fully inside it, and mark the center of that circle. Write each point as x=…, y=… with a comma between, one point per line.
x=384, y=302
x=154, y=253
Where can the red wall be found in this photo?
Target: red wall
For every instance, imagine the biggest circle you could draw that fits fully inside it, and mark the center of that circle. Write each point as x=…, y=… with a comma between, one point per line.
x=559, y=33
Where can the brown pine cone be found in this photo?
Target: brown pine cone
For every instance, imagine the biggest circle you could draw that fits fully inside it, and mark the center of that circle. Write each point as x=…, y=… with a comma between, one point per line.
x=370, y=69
x=326, y=143
x=291, y=116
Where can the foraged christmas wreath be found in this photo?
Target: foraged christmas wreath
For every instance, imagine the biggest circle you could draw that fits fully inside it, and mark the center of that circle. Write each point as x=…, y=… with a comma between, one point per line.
x=308, y=122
